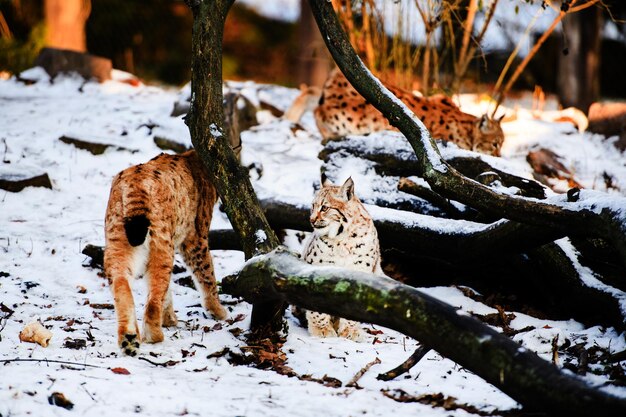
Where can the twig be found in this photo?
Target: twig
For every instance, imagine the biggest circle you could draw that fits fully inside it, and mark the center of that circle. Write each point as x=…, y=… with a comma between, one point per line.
x=163, y=364
x=53, y=361
x=583, y=362
x=88, y=393
x=405, y=366
x=502, y=92
x=362, y=372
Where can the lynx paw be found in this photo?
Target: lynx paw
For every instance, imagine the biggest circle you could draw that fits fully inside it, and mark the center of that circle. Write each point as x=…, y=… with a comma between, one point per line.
x=152, y=334
x=129, y=344
x=219, y=312
x=169, y=319
x=350, y=330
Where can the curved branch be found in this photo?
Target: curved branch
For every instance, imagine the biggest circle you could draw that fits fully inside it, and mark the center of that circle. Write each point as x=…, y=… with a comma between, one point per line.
x=586, y=218
x=364, y=297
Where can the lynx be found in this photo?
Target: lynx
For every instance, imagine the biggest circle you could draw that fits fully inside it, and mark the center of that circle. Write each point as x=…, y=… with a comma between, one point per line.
x=343, y=235
x=342, y=111
x=154, y=209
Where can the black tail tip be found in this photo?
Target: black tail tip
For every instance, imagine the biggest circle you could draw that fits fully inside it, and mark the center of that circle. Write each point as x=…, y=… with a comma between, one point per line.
x=136, y=228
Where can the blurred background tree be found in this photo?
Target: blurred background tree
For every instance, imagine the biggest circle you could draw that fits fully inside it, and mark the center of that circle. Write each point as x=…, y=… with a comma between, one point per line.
x=427, y=45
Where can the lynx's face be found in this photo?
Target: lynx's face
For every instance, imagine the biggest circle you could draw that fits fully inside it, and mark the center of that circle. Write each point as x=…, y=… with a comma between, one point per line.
x=489, y=136
x=329, y=215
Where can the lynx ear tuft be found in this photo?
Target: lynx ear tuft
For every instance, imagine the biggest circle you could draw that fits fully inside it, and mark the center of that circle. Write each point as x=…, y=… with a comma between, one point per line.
x=347, y=189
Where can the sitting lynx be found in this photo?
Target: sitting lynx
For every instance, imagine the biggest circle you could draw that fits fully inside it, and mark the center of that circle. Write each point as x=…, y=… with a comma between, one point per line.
x=153, y=209
x=343, y=235
x=342, y=111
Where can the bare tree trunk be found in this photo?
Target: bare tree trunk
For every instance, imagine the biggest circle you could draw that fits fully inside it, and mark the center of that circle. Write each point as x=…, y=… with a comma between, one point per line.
x=313, y=57
x=578, y=82
x=210, y=139
x=65, y=24
x=533, y=382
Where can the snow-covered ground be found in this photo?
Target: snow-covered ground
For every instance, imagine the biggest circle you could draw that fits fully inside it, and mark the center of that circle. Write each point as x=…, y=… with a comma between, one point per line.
x=42, y=277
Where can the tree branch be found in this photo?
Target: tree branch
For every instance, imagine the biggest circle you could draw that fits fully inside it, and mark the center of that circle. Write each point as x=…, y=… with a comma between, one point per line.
x=586, y=218
x=364, y=297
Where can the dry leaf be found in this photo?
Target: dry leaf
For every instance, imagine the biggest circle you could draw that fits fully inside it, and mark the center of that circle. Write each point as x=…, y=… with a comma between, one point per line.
x=120, y=371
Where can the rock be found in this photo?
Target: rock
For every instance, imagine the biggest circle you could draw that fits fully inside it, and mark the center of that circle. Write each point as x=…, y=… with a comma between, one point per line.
x=60, y=61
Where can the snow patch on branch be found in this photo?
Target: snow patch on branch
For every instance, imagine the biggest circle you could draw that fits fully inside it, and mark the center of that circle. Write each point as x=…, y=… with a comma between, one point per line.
x=587, y=276
x=216, y=132
x=260, y=237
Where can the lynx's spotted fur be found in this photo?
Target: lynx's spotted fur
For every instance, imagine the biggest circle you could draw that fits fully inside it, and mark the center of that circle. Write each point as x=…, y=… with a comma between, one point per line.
x=343, y=235
x=153, y=209
x=343, y=111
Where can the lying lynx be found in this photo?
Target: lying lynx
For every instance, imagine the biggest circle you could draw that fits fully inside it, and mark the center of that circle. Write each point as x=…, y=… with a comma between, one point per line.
x=153, y=209
x=342, y=111
x=343, y=235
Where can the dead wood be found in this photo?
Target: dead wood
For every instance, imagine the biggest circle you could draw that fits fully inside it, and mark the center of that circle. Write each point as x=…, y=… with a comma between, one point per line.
x=405, y=366
x=362, y=371
x=407, y=186
x=93, y=148
x=595, y=217
x=170, y=144
x=547, y=164
x=569, y=292
x=521, y=374
x=16, y=182
x=404, y=164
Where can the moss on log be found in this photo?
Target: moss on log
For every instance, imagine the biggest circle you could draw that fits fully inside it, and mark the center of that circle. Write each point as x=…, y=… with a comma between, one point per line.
x=536, y=384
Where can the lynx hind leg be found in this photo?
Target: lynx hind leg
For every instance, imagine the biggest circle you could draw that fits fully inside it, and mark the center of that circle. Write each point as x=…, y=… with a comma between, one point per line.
x=197, y=256
x=350, y=330
x=158, y=274
x=169, y=315
x=320, y=324
x=118, y=267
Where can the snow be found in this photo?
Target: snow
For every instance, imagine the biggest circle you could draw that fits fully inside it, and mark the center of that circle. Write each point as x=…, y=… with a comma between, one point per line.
x=42, y=277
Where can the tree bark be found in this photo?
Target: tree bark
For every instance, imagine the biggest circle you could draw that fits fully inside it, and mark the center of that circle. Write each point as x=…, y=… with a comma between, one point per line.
x=533, y=382
x=65, y=24
x=313, y=58
x=594, y=217
x=210, y=139
x=578, y=83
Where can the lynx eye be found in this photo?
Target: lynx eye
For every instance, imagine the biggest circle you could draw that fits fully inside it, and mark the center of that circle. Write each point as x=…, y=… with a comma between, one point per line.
x=324, y=208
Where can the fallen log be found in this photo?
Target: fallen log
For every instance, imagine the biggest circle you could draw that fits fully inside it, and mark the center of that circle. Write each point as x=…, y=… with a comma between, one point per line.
x=590, y=216
x=394, y=156
x=93, y=148
x=17, y=182
x=534, y=383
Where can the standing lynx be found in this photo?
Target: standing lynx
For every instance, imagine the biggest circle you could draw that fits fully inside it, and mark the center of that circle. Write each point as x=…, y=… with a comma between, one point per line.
x=343, y=235
x=153, y=209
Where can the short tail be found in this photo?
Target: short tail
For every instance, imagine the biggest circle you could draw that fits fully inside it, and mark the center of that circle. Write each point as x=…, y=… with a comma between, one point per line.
x=136, y=228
